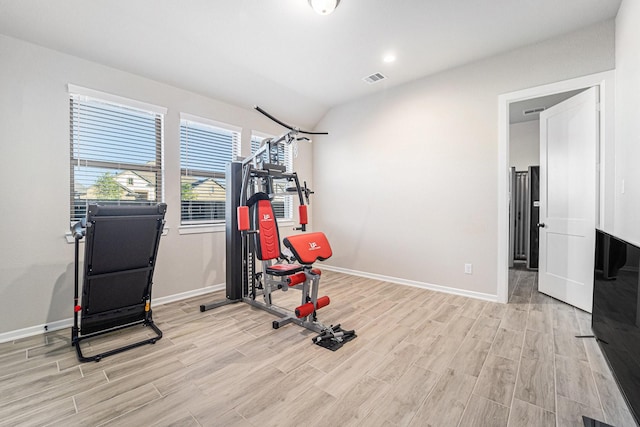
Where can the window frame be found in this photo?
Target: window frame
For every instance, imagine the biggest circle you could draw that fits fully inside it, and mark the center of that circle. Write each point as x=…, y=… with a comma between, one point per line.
x=189, y=226
x=78, y=95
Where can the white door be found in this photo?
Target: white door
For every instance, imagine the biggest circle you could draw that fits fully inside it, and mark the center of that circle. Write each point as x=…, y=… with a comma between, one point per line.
x=568, y=198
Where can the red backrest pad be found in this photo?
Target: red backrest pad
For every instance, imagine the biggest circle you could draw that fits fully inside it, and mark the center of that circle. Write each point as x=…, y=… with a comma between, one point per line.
x=309, y=247
x=267, y=240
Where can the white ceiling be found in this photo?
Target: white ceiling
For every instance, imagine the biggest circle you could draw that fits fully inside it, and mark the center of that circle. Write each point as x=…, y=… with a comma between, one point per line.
x=282, y=56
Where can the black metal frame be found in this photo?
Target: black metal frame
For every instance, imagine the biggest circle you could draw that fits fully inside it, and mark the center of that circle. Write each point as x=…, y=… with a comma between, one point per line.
x=116, y=317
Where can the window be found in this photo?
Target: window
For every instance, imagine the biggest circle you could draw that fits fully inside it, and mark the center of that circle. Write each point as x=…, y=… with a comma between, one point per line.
x=116, y=152
x=282, y=205
x=205, y=149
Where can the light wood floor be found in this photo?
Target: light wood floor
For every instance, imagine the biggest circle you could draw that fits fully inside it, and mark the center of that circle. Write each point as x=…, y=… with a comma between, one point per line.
x=421, y=358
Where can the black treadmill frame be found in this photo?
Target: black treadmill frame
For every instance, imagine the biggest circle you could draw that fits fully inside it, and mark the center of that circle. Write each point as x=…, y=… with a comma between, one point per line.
x=125, y=316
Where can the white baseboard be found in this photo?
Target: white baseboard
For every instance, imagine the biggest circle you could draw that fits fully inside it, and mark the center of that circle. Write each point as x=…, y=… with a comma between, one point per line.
x=188, y=294
x=413, y=283
x=67, y=323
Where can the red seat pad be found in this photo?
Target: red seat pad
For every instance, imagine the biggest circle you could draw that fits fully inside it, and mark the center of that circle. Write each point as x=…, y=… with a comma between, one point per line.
x=284, y=269
x=309, y=247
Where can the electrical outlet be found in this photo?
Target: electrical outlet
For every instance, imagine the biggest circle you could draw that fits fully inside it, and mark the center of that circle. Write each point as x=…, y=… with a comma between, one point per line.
x=468, y=269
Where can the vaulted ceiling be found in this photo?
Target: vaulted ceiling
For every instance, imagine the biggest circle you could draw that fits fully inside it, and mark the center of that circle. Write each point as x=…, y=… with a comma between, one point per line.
x=280, y=54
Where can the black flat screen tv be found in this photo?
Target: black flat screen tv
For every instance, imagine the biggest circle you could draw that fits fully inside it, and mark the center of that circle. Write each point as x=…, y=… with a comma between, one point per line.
x=616, y=312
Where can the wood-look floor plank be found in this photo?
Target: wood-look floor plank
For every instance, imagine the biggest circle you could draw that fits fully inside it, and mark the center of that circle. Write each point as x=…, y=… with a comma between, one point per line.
x=485, y=329
x=524, y=414
x=172, y=409
x=471, y=356
x=35, y=380
x=495, y=310
x=22, y=344
x=446, y=403
x=304, y=409
x=507, y=344
x=285, y=389
x=514, y=319
x=396, y=363
x=33, y=402
x=86, y=399
x=458, y=327
x=538, y=346
x=614, y=407
x=565, y=319
x=44, y=414
x=570, y=413
x=540, y=320
x=535, y=383
x=403, y=400
x=445, y=313
x=118, y=405
x=574, y=380
x=481, y=412
x=473, y=308
x=439, y=354
x=349, y=372
x=208, y=418
x=497, y=380
x=596, y=359
x=567, y=344
x=355, y=405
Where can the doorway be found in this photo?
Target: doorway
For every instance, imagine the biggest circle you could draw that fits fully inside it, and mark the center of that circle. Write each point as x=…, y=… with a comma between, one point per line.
x=524, y=189
x=606, y=179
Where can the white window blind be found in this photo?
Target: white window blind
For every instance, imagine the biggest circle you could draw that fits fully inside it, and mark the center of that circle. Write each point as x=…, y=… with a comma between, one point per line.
x=282, y=205
x=205, y=150
x=116, y=154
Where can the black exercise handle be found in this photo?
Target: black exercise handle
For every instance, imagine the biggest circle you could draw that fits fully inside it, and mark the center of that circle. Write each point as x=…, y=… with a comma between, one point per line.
x=283, y=124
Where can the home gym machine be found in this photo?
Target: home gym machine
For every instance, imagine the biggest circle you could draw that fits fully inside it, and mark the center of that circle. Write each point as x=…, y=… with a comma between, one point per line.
x=252, y=235
x=120, y=249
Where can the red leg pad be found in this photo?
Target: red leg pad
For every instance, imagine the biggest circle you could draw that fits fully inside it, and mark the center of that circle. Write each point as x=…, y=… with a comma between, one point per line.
x=322, y=302
x=297, y=278
x=304, y=310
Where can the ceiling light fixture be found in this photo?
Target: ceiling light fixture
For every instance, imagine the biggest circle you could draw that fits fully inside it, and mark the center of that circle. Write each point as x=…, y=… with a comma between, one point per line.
x=389, y=58
x=324, y=7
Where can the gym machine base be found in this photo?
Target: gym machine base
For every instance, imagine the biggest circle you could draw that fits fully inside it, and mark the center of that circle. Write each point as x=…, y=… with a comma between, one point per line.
x=251, y=185
x=121, y=246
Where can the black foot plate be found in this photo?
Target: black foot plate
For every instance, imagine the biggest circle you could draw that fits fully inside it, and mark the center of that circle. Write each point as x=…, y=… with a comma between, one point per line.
x=332, y=343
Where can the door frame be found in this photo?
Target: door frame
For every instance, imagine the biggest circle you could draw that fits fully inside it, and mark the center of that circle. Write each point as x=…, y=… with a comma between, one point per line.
x=605, y=168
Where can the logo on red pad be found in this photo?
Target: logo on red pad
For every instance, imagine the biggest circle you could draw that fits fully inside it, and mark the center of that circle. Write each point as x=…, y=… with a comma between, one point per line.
x=266, y=217
x=313, y=246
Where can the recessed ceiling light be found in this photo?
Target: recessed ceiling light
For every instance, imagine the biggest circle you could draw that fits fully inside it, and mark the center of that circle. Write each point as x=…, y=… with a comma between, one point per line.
x=389, y=58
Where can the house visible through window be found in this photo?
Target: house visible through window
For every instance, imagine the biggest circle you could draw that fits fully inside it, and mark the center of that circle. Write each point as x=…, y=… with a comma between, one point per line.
x=116, y=154
x=282, y=205
x=205, y=149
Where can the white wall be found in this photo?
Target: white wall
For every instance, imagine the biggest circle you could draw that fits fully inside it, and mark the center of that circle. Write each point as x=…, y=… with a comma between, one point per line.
x=407, y=180
x=627, y=219
x=36, y=262
x=524, y=144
